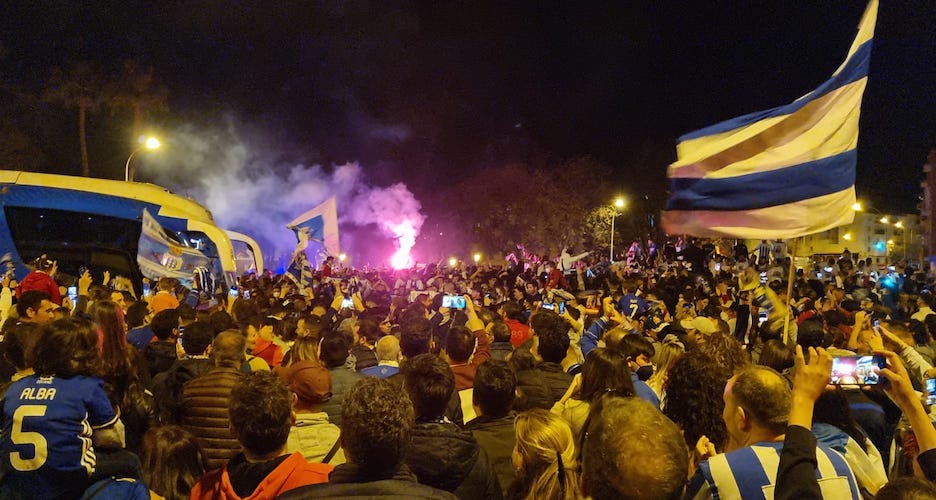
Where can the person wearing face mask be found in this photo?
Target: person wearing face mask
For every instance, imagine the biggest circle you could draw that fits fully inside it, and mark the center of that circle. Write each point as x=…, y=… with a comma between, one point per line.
x=638, y=352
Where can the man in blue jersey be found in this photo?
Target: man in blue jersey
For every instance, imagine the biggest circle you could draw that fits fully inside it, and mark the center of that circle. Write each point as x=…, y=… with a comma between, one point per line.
x=757, y=406
x=631, y=304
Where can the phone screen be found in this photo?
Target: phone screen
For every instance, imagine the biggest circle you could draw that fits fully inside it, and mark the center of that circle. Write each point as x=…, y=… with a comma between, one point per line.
x=146, y=288
x=453, y=301
x=549, y=306
x=931, y=391
x=856, y=370
x=761, y=317
x=233, y=292
x=73, y=293
x=347, y=304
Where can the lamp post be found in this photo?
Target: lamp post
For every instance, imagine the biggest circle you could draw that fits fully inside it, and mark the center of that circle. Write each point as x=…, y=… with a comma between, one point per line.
x=150, y=143
x=618, y=204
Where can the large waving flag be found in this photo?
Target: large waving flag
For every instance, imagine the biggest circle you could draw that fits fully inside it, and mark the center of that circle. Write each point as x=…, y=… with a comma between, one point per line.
x=299, y=271
x=781, y=173
x=160, y=256
x=321, y=225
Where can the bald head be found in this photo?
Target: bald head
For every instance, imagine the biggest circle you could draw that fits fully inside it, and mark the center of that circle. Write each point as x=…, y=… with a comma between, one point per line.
x=764, y=395
x=388, y=348
x=229, y=348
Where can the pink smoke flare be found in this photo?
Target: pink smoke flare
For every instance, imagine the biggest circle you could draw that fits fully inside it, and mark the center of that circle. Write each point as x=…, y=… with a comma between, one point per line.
x=405, y=233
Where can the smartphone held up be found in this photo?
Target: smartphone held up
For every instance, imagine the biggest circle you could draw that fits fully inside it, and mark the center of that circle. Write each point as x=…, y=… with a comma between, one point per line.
x=857, y=370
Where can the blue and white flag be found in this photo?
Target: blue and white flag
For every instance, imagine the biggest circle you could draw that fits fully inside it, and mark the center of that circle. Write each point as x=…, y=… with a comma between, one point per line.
x=321, y=226
x=299, y=271
x=781, y=173
x=159, y=255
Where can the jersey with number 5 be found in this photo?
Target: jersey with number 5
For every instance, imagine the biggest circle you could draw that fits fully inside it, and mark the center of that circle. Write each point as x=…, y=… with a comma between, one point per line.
x=47, y=424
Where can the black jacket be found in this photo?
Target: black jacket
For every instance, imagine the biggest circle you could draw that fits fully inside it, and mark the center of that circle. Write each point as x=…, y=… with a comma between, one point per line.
x=541, y=386
x=448, y=458
x=167, y=387
x=352, y=482
x=496, y=436
x=160, y=356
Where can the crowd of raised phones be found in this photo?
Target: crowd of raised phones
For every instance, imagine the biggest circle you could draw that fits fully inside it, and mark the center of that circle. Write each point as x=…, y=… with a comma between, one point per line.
x=695, y=371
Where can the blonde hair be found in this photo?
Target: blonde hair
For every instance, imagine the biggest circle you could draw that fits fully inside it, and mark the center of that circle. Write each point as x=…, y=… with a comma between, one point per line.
x=547, y=451
x=667, y=354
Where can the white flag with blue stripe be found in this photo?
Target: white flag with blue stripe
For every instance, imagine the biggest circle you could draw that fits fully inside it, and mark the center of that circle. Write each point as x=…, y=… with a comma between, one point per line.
x=781, y=173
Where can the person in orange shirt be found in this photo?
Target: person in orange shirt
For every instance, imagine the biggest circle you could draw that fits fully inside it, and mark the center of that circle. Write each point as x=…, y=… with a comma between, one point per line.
x=261, y=417
x=259, y=334
x=164, y=299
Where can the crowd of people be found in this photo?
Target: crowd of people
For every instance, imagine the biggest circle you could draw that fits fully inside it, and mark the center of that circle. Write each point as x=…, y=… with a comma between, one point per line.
x=696, y=370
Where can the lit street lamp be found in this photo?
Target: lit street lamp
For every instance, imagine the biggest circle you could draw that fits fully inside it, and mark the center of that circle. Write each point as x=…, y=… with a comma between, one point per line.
x=150, y=143
x=618, y=204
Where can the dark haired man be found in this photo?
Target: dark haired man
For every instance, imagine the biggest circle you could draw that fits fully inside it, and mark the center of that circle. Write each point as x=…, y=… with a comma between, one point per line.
x=544, y=384
x=35, y=306
x=495, y=387
x=333, y=352
x=443, y=455
x=261, y=416
x=460, y=344
x=619, y=462
x=167, y=386
x=161, y=354
x=757, y=406
x=375, y=439
x=501, y=347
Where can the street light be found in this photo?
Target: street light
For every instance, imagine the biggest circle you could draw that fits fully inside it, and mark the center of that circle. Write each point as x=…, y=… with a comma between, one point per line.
x=477, y=258
x=618, y=204
x=150, y=143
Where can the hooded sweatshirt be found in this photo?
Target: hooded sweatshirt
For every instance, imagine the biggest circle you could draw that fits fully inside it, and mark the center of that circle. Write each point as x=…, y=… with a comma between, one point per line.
x=243, y=480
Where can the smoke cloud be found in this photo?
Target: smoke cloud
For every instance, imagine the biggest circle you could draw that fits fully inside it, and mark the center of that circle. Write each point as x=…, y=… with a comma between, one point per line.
x=240, y=177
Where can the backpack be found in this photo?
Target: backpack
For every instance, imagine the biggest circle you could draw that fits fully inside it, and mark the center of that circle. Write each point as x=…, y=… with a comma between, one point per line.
x=117, y=489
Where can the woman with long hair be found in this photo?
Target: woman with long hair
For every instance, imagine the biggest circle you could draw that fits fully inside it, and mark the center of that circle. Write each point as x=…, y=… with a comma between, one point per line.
x=544, y=458
x=123, y=371
x=604, y=370
x=172, y=462
x=666, y=355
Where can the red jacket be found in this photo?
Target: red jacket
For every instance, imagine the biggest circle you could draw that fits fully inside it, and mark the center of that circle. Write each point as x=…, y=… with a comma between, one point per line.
x=38, y=280
x=291, y=473
x=519, y=333
x=465, y=373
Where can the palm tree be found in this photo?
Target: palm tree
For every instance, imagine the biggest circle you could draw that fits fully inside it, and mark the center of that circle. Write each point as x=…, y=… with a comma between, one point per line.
x=137, y=90
x=78, y=86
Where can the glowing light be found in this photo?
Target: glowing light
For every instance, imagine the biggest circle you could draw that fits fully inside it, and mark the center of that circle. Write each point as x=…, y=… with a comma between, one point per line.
x=619, y=202
x=847, y=236
x=152, y=143
x=879, y=245
x=856, y=206
x=884, y=220
x=405, y=233
x=452, y=261
x=890, y=242
x=476, y=257
x=898, y=224
x=342, y=257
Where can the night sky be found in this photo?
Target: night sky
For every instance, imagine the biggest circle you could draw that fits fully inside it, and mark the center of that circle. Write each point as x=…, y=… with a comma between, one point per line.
x=425, y=92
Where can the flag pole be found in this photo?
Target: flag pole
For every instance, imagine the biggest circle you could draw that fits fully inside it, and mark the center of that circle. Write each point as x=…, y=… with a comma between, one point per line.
x=789, y=294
